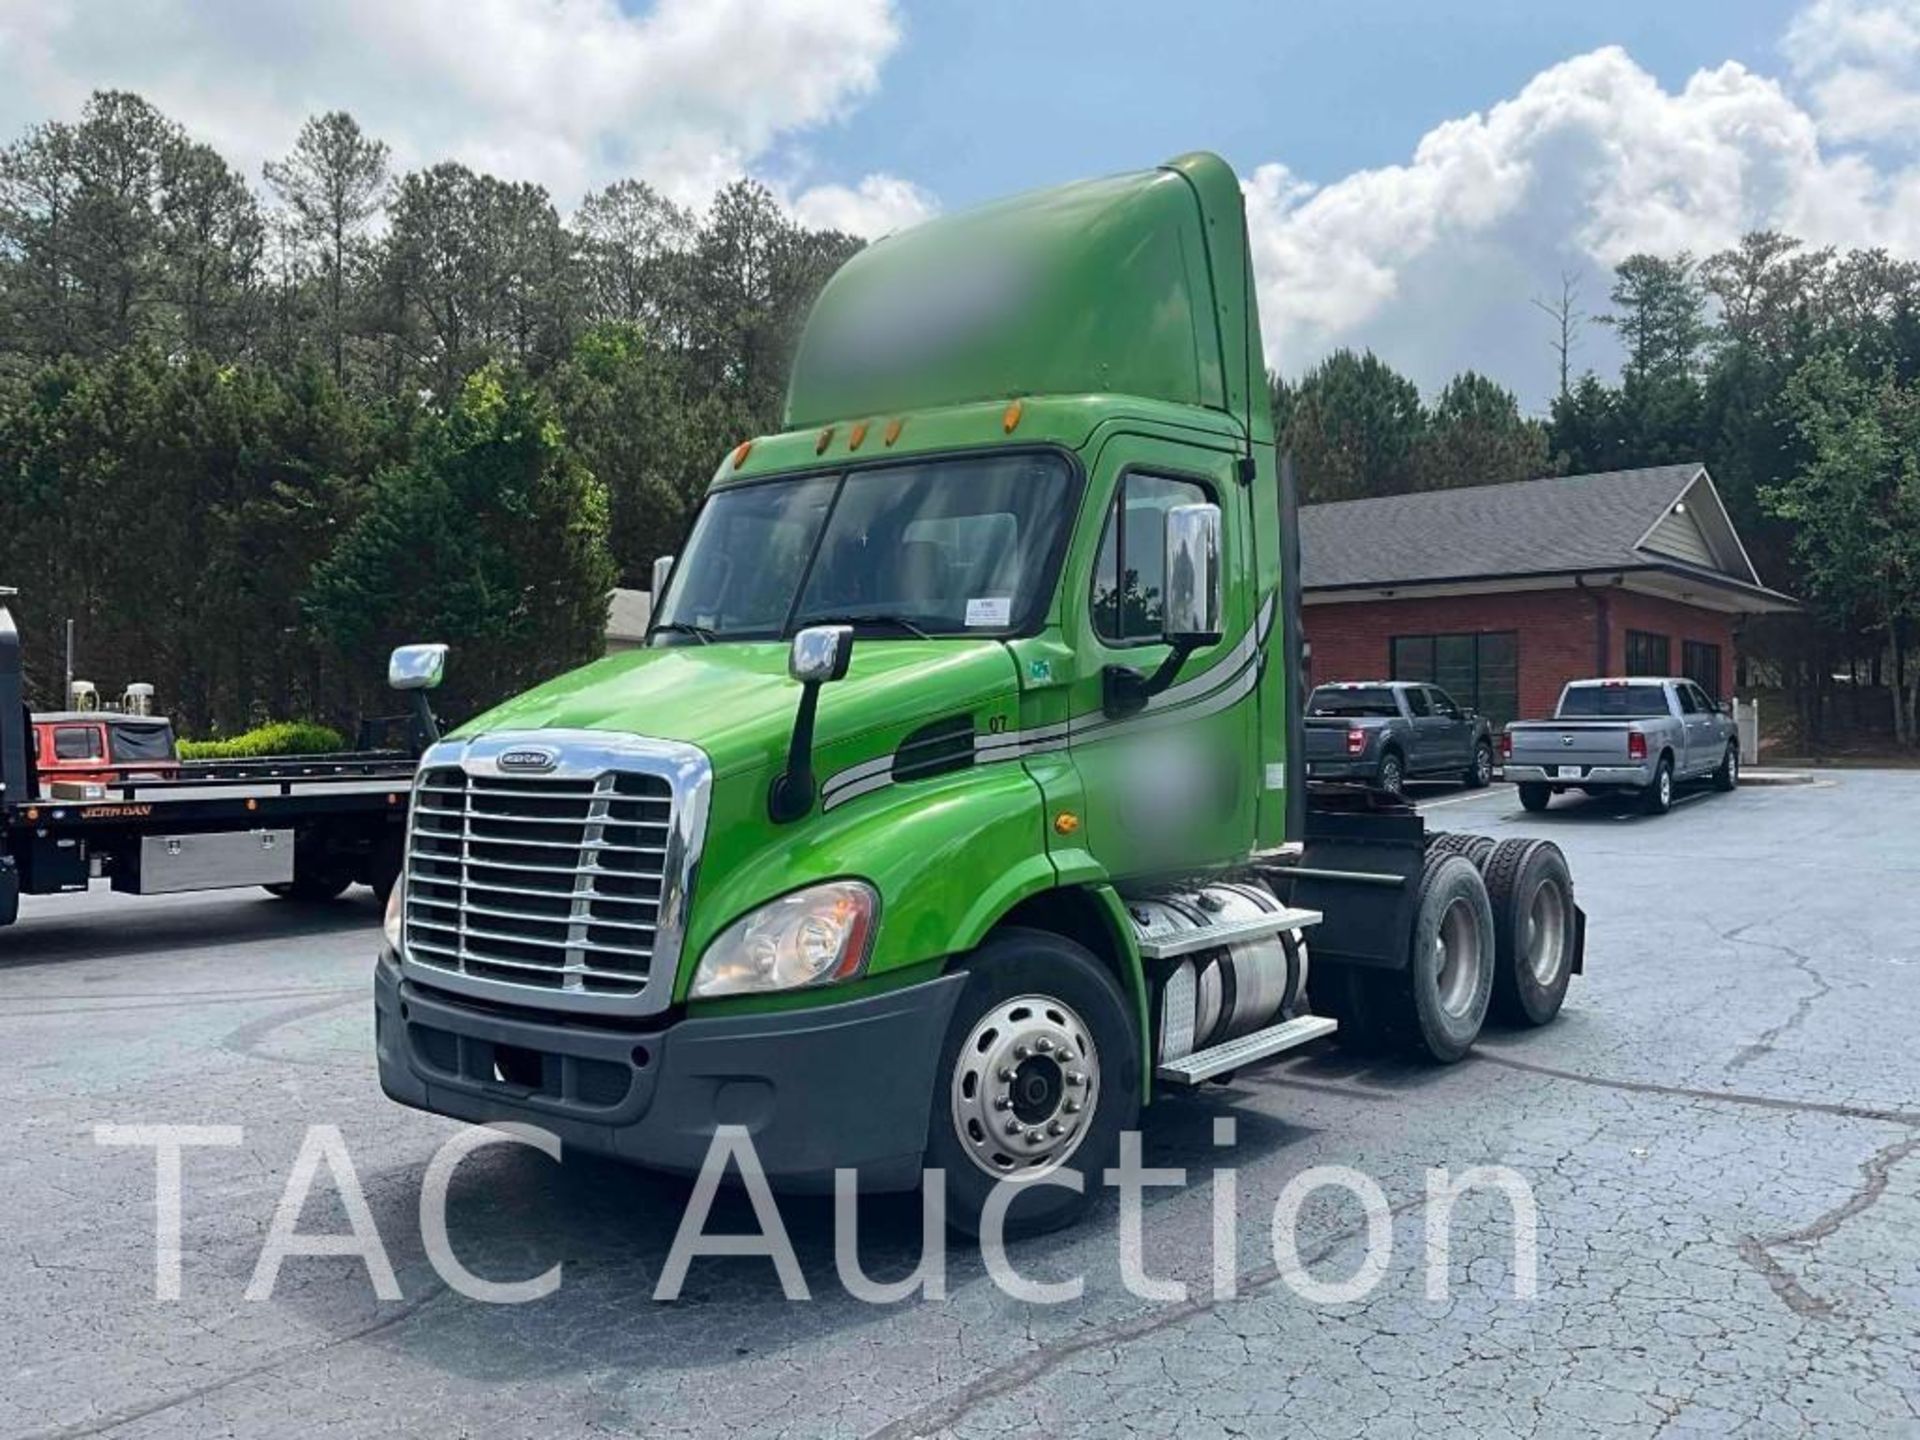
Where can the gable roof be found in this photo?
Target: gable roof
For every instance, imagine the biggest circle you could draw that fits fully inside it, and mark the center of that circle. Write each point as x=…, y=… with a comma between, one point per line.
x=1666, y=517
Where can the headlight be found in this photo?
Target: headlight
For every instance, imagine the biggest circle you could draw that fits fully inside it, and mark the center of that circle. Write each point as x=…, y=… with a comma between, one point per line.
x=811, y=937
x=396, y=907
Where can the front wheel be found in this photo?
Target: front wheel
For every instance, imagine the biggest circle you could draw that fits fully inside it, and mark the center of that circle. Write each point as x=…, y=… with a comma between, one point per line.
x=1480, y=774
x=1727, y=777
x=1039, y=1075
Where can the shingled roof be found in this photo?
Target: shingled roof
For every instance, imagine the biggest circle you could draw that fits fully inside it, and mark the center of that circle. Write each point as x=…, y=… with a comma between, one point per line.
x=1667, y=518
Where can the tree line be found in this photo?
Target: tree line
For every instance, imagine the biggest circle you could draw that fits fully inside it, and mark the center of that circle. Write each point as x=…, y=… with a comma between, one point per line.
x=254, y=432
x=1792, y=371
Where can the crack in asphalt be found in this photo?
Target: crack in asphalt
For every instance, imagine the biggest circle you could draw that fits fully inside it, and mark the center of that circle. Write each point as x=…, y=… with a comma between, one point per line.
x=244, y=1040
x=1876, y=1173
x=1803, y=1007
x=1016, y=1374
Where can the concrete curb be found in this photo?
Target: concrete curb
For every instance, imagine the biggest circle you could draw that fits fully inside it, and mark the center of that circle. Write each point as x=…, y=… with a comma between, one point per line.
x=1775, y=777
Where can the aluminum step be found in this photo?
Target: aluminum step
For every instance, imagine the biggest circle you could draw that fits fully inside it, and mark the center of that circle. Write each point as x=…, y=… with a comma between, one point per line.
x=1203, y=1065
x=1185, y=942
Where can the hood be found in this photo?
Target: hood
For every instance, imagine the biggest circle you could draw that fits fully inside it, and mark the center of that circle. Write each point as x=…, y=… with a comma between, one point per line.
x=736, y=702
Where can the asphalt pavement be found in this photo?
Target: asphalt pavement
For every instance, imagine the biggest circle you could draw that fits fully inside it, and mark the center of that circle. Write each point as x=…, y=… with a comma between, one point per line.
x=1722, y=1135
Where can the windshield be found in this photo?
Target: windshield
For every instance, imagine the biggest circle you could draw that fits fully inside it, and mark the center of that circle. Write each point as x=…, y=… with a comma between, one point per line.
x=1626, y=702
x=959, y=546
x=1333, y=700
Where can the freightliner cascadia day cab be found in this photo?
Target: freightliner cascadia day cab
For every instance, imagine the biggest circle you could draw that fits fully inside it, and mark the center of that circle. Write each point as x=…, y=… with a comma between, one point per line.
x=952, y=812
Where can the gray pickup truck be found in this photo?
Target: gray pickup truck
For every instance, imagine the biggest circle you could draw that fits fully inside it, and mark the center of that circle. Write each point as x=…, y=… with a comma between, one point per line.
x=1638, y=733
x=1387, y=732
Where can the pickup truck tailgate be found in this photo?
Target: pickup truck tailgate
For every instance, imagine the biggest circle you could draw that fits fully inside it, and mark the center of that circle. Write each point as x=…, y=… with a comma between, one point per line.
x=1569, y=742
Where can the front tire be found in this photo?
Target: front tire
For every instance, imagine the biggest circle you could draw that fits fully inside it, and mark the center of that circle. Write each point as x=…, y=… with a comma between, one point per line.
x=1727, y=777
x=1534, y=796
x=1657, y=798
x=1039, y=1074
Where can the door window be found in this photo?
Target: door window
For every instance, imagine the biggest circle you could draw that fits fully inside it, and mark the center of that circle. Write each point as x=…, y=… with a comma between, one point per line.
x=1443, y=704
x=1128, y=593
x=1417, y=701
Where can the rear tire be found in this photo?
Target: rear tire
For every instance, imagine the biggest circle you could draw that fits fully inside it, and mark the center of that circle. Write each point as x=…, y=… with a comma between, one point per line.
x=1480, y=773
x=1657, y=798
x=1074, y=1004
x=1727, y=777
x=1534, y=796
x=1392, y=776
x=1475, y=847
x=1531, y=891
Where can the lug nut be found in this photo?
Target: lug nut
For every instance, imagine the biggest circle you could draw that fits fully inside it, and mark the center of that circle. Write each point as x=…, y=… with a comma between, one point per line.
x=1056, y=1128
x=1072, y=1107
x=1006, y=1075
x=1013, y=1127
x=1043, y=1045
x=1021, y=1052
x=1034, y=1137
x=1074, y=1077
x=1003, y=1102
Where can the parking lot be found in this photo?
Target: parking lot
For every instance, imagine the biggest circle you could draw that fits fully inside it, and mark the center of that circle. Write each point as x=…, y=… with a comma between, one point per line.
x=1720, y=1133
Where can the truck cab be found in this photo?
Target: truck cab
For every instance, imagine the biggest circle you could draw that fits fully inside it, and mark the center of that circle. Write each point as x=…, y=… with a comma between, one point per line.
x=924, y=830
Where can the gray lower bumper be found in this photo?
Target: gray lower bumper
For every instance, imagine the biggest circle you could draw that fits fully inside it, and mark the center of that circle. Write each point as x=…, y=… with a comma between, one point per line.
x=824, y=1088
x=1637, y=775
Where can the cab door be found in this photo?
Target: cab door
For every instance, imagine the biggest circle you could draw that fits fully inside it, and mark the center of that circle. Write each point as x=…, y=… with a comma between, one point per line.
x=1173, y=786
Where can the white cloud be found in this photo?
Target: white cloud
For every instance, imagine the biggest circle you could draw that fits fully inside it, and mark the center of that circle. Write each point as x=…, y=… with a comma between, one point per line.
x=1860, y=63
x=570, y=93
x=1432, y=263
x=878, y=205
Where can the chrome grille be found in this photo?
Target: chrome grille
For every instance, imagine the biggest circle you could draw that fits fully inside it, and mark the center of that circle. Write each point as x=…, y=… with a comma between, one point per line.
x=556, y=882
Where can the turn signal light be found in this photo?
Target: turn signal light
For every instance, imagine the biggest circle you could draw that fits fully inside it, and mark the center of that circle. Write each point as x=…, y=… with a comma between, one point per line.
x=857, y=435
x=826, y=439
x=1356, y=741
x=740, y=453
x=1506, y=746
x=1012, y=417
x=1636, y=745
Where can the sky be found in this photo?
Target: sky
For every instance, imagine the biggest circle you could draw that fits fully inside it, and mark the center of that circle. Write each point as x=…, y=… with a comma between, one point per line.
x=1417, y=171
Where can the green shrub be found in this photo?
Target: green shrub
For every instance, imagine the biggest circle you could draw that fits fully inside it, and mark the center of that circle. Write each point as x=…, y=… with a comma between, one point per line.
x=282, y=737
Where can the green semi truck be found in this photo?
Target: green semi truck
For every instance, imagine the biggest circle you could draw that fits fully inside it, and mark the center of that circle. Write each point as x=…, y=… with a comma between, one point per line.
x=954, y=810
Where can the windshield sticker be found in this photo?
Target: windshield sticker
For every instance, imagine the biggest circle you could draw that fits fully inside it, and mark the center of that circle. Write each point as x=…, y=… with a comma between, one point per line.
x=995, y=610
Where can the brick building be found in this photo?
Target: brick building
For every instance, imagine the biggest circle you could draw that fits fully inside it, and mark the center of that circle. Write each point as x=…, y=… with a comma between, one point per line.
x=1500, y=594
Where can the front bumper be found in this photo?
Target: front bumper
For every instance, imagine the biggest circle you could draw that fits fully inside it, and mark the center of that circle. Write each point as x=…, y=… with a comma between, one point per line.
x=834, y=1086
x=1635, y=775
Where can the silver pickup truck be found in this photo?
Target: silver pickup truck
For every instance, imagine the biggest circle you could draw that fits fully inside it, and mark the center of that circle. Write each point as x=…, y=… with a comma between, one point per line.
x=1639, y=733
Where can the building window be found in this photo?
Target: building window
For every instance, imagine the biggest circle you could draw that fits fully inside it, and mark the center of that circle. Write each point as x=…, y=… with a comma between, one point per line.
x=1700, y=663
x=1127, y=601
x=1648, y=654
x=1481, y=672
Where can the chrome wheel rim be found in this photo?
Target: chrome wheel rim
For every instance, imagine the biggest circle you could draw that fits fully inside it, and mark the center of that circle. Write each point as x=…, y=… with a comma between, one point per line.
x=1547, y=932
x=1666, y=787
x=1733, y=767
x=1483, y=765
x=1457, y=958
x=1024, y=1087
x=1390, y=778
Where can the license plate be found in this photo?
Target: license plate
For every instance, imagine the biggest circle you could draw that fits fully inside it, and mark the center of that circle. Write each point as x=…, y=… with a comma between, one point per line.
x=1566, y=772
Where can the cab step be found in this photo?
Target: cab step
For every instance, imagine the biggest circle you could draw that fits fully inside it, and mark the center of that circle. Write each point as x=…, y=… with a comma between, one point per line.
x=1171, y=944
x=1203, y=1065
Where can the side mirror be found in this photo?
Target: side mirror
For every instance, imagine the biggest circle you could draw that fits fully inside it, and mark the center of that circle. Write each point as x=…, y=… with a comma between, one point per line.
x=662, y=568
x=417, y=667
x=820, y=653
x=1194, y=598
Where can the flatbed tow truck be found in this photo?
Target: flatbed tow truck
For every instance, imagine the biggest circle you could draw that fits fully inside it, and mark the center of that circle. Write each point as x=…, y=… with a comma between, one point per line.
x=955, y=809
x=303, y=826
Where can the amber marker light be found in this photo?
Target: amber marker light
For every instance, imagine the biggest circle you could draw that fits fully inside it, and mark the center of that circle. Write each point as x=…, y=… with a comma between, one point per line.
x=826, y=439
x=894, y=427
x=1012, y=417
x=1066, y=822
x=857, y=435
x=740, y=453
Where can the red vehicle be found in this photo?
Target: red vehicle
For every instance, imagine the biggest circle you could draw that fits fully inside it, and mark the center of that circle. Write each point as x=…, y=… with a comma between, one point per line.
x=103, y=748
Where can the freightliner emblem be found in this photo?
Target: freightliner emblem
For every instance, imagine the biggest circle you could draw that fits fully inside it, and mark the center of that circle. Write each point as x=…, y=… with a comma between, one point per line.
x=529, y=759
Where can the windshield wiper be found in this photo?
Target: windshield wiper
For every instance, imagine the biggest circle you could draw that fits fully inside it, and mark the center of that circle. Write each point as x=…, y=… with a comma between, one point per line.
x=898, y=622
x=682, y=627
